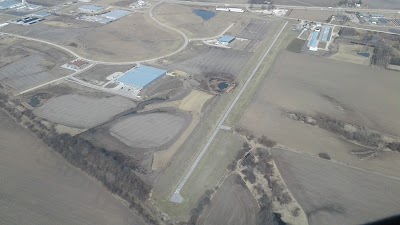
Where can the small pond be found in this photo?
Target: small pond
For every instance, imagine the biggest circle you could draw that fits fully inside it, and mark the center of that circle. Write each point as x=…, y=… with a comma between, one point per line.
x=34, y=101
x=223, y=85
x=204, y=14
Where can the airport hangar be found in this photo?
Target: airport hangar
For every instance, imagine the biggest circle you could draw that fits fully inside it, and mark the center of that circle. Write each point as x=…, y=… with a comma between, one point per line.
x=141, y=77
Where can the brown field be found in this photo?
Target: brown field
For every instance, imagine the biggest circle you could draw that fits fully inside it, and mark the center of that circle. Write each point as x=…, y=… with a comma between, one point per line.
x=100, y=72
x=357, y=94
x=26, y=64
x=39, y=187
x=308, y=2
x=120, y=40
x=149, y=130
x=312, y=15
x=182, y=18
x=80, y=111
x=336, y=194
x=233, y=204
x=5, y=17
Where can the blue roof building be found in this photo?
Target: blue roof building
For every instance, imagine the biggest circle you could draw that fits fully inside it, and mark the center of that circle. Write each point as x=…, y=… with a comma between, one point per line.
x=141, y=76
x=314, y=41
x=8, y=4
x=226, y=39
x=326, y=35
x=116, y=14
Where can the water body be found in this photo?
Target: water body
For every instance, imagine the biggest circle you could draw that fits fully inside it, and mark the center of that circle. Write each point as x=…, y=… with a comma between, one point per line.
x=223, y=85
x=204, y=14
x=34, y=102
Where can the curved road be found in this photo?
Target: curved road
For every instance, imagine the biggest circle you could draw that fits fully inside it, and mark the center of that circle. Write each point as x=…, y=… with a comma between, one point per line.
x=186, y=42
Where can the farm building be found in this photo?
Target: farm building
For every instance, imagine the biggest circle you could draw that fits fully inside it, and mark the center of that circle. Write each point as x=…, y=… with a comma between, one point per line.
x=226, y=39
x=90, y=8
x=9, y=4
x=314, y=41
x=141, y=77
x=326, y=35
x=116, y=14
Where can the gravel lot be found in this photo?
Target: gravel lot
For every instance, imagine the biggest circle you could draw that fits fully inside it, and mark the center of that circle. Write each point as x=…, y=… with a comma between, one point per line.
x=81, y=111
x=148, y=130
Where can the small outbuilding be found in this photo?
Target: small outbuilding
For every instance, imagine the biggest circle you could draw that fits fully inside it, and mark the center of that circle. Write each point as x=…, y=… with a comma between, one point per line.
x=226, y=39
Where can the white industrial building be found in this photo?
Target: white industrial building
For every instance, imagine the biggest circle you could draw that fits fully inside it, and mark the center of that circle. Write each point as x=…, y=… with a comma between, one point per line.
x=116, y=14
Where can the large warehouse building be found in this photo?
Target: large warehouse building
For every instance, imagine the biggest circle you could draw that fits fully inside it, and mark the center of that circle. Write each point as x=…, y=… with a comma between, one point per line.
x=141, y=77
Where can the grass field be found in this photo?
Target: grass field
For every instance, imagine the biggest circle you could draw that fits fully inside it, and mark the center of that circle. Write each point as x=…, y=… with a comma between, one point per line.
x=183, y=18
x=115, y=44
x=344, y=91
x=233, y=204
x=348, y=53
x=311, y=15
x=39, y=187
x=82, y=112
x=336, y=194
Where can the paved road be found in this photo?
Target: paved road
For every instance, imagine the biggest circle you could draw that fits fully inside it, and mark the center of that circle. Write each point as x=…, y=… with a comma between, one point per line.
x=176, y=197
x=244, y=5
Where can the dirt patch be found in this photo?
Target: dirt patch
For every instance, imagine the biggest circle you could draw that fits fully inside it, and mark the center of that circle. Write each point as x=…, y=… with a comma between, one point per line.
x=81, y=111
x=232, y=204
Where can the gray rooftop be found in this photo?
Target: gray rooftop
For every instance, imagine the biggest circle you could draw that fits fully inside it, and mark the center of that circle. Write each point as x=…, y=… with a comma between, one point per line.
x=116, y=14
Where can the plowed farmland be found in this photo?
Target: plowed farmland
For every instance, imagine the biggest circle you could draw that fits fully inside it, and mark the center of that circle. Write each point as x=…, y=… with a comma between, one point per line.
x=38, y=187
x=336, y=194
x=82, y=112
x=148, y=130
x=232, y=204
x=216, y=60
